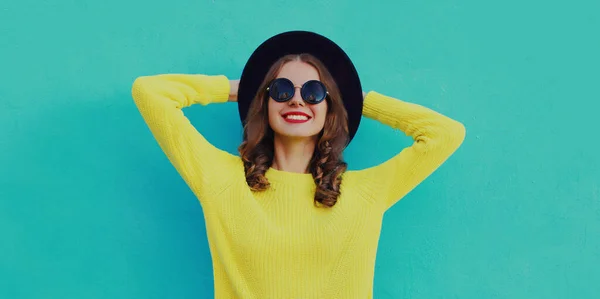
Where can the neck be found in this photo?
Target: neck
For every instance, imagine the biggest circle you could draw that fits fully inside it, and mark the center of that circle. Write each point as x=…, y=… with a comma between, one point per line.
x=293, y=155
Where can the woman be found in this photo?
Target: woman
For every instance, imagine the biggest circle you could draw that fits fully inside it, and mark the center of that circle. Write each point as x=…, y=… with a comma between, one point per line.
x=285, y=219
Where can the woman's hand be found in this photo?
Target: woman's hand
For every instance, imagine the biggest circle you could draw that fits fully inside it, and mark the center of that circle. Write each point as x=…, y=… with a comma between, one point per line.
x=233, y=90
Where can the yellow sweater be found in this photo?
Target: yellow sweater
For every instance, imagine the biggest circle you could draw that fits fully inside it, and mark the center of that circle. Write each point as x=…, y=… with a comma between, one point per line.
x=276, y=243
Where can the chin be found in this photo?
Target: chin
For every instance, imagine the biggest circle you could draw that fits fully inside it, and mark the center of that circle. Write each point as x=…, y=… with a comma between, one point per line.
x=295, y=134
x=298, y=132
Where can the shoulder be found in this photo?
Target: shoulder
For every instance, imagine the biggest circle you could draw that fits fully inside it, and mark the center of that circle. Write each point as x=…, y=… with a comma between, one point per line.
x=228, y=169
x=365, y=184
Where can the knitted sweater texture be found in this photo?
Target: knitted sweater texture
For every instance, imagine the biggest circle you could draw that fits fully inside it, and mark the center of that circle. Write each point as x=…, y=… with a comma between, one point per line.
x=277, y=243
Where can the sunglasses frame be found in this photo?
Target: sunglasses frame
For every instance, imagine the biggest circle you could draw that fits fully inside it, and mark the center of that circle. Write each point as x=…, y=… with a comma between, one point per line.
x=294, y=92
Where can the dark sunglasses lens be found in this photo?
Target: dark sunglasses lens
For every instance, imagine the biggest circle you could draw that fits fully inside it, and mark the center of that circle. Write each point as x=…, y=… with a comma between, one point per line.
x=281, y=90
x=313, y=92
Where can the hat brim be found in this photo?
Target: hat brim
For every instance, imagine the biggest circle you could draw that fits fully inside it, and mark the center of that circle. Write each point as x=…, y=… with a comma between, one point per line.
x=295, y=42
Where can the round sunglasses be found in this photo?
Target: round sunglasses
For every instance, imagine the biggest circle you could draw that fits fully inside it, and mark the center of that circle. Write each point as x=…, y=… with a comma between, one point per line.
x=312, y=92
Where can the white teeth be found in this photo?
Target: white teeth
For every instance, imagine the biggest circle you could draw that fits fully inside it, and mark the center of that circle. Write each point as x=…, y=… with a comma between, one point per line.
x=296, y=117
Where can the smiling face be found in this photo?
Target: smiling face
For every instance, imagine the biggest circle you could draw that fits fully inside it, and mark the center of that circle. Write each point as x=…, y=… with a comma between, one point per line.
x=267, y=131
x=296, y=118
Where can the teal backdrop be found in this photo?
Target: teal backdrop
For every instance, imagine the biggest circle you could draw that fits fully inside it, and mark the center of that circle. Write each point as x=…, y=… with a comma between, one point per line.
x=91, y=208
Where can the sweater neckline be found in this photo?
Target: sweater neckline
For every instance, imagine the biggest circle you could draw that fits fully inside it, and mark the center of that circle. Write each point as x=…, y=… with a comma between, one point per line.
x=273, y=174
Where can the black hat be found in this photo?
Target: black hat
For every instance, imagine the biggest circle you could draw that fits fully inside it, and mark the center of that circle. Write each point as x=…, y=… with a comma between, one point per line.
x=295, y=42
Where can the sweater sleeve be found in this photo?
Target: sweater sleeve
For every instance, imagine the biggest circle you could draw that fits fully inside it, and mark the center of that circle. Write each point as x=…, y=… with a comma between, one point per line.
x=160, y=100
x=436, y=137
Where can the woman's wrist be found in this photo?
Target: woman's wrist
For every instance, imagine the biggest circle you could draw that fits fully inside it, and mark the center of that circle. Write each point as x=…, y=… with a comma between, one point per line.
x=233, y=90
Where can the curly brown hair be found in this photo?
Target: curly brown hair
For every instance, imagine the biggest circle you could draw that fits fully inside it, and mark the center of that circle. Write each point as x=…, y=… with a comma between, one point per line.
x=326, y=165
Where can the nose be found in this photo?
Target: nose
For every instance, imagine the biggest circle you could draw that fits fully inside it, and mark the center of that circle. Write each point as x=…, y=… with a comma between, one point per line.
x=297, y=100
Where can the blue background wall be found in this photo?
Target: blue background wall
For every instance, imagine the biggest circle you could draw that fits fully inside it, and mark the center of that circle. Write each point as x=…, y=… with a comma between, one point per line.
x=90, y=207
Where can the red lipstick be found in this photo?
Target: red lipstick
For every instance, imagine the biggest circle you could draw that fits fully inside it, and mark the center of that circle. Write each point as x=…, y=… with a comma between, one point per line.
x=295, y=117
